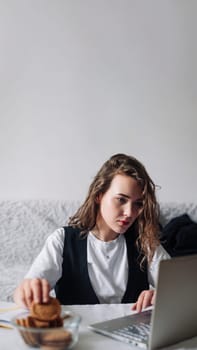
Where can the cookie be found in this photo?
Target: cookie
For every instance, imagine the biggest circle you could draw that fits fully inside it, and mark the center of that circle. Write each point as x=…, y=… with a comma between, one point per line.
x=41, y=324
x=58, y=322
x=59, y=347
x=61, y=338
x=46, y=311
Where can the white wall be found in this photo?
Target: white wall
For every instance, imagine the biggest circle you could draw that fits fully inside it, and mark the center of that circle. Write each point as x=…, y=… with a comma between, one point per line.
x=81, y=80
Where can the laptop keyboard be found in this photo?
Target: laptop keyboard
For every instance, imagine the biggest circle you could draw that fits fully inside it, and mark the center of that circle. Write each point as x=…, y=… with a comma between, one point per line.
x=139, y=332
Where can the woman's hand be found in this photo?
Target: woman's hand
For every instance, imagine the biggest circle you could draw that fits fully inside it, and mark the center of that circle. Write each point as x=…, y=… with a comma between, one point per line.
x=30, y=290
x=145, y=299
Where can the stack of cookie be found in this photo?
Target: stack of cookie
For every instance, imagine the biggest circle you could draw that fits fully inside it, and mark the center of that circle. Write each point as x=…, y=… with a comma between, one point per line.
x=47, y=321
x=46, y=315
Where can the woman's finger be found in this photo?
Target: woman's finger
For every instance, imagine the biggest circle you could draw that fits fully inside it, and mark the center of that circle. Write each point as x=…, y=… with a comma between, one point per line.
x=36, y=288
x=45, y=290
x=145, y=299
x=27, y=292
x=138, y=305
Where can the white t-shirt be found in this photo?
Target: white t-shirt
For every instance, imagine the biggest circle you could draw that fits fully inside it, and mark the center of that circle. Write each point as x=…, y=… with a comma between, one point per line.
x=107, y=265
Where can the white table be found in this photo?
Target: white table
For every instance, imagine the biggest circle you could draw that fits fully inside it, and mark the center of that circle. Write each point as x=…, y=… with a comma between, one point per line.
x=88, y=340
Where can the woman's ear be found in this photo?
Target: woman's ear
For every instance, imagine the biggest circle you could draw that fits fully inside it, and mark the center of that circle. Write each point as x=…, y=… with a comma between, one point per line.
x=98, y=198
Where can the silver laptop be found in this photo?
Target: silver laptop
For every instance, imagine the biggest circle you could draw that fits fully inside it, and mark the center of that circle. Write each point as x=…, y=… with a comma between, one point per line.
x=174, y=316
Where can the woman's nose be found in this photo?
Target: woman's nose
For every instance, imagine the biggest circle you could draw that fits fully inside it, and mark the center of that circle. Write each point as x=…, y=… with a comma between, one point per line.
x=128, y=210
x=131, y=210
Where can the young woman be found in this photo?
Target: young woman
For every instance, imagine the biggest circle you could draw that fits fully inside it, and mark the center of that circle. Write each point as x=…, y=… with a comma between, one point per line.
x=110, y=251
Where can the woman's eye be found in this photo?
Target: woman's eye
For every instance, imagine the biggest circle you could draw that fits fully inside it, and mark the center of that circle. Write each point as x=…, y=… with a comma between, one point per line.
x=121, y=200
x=139, y=204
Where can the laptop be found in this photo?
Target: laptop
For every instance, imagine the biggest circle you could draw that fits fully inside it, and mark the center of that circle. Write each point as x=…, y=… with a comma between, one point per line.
x=174, y=316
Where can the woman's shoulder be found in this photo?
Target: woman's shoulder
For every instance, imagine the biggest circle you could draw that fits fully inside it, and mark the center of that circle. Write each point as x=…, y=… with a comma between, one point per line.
x=62, y=234
x=160, y=253
x=56, y=236
x=71, y=230
x=72, y=233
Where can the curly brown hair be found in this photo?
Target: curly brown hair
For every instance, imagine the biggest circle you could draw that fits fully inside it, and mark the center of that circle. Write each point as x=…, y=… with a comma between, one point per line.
x=147, y=222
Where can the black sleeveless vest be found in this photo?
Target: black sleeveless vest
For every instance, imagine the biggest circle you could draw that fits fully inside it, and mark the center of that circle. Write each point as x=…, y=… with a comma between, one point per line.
x=74, y=287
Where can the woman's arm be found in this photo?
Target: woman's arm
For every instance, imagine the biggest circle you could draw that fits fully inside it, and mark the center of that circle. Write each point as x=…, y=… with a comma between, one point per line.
x=147, y=297
x=44, y=272
x=160, y=254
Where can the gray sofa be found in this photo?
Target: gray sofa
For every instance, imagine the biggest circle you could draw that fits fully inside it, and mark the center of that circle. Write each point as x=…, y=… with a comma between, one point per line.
x=25, y=224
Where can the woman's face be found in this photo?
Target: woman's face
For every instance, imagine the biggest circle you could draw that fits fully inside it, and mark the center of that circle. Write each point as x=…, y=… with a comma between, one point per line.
x=119, y=206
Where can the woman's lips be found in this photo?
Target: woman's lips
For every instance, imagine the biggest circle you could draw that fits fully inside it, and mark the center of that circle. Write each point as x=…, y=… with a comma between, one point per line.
x=123, y=222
